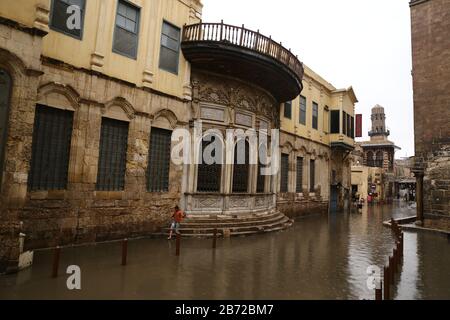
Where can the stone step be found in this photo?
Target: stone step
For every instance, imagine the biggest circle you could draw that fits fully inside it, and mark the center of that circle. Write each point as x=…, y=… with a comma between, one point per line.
x=226, y=219
x=234, y=233
x=186, y=230
x=220, y=224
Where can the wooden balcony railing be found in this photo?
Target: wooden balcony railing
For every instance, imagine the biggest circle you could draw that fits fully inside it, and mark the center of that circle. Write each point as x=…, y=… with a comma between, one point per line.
x=244, y=38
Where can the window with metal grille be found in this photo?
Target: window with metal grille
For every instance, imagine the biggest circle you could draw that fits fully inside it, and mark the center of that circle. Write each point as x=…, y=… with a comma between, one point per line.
x=159, y=160
x=315, y=116
x=299, y=186
x=170, y=48
x=113, y=155
x=241, y=167
x=209, y=176
x=126, y=33
x=261, y=179
x=335, y=121
x=312, y=175
x=5, y=92
x=284, y=174
x=51, y=149
x=302, y=110
x=288, y=110
x=67, y=16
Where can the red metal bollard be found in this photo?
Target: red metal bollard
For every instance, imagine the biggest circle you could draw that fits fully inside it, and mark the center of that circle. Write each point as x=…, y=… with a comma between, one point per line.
x=178, y=244
x=124, y=251
x=56, y=257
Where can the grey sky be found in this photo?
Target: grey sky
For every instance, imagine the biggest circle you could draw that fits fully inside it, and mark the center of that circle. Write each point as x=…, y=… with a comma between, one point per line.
x=363, y=43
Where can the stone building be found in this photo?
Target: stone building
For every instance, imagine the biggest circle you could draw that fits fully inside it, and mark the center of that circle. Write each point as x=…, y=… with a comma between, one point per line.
x=86, y=119
x=378, y=154
x=317, y=136
x=430, y=20
x=92, y=94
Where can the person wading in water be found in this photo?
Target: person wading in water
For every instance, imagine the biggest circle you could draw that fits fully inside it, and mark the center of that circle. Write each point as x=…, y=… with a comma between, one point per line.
x=177, y=217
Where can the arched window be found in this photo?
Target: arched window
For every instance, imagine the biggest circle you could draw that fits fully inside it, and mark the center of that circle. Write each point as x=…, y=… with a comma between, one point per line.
x=370, y=159
x=5, y=91
x=241, y=166
x=379, y=159
x=209, y=174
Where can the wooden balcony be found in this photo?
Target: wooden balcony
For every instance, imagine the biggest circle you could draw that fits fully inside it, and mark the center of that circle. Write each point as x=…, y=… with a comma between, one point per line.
x=244, y=54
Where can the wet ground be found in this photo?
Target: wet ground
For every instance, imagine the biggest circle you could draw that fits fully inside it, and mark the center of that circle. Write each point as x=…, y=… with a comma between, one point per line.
x=321, y=257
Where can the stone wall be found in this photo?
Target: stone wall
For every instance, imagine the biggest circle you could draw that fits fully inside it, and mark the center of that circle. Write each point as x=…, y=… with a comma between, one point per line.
x=79, y=214
x=306, y=202
x=431, y=77
x=436, y=186
x=20, y=49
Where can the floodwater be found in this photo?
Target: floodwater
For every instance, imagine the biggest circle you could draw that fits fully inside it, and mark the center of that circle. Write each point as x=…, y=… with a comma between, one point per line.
x=321, y=257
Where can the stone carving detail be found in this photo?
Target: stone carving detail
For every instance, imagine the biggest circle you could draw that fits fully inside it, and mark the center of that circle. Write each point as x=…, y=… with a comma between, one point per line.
x=213, y=114
x=244, y=119
x=238, y=202
x=260, y=202
x=207, y=202
x=234, y=94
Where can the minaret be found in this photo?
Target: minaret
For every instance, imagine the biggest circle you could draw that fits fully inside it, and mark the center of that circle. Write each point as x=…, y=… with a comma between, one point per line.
x=379, y=131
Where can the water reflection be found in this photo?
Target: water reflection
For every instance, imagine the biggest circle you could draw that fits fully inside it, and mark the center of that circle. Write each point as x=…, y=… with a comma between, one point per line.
x=321, y=257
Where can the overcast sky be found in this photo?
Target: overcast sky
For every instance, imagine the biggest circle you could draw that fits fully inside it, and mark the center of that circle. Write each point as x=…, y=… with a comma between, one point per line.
x=361, y=43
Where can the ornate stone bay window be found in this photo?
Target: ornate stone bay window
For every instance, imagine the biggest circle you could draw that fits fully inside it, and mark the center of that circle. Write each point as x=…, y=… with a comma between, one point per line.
x=239, y=79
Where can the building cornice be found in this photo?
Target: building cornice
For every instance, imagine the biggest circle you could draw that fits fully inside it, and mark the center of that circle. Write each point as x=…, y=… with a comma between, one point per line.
x=16, y=25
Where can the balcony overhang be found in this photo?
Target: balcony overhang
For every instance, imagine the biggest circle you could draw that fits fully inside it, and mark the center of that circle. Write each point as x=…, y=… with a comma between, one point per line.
x=244, y=54
x=342, y=146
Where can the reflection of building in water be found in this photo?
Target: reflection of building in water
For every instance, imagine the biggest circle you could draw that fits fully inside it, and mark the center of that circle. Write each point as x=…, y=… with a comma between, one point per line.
x=373, y=161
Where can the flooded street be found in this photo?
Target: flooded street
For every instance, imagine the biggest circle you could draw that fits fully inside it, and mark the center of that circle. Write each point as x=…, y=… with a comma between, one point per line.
x=321, y=257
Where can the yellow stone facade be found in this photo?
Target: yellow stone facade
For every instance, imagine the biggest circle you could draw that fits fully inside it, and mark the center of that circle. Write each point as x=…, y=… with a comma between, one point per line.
x=87, y=78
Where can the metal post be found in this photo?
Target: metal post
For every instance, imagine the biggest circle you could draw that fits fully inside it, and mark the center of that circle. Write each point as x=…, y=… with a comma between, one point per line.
x=386, y=283
x=178, y=245
x=395, y=260
x=215, y=239
x=56, y=256
x=391, y=270
x=124, y=251
x=379, y=292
